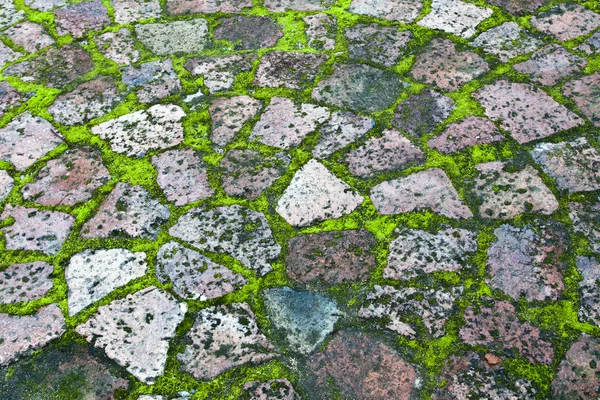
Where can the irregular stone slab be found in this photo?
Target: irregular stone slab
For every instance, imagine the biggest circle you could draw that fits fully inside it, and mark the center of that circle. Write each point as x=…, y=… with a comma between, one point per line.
x=298, y=5
x=25, y=282
x=9, y=14
x=291, y=70
x=194, y=100
x=219, y=72
x=134, y=134
x=577, y=375
x=315, y=194
x=518, y=7
x=248, y=173
x=274, y=389
x=469, y=132
x=416, y=252
x=7, y=55
x=285, y=124
x=586, y=220
x=224, y=337
x=591, y=45
x=45, y=5
x=78, y=19
x=152, y=81
x=339, y=131
x=584, y=92
x=455, y=17
x=422, y=112
x=174, y=37
x=525, y=111
x=507, y=41
x=71, y=178
x=240, y=232
x=22, y=335
x=118, y=47
x=376, y=43
x=229, y=114
x=32, y=37
x=249, y=33
x=6, y=184
x=566, y=21
x=321, y=30
x=136, y=331
x=589, y=268
x=206, y=6
x=10, y=97
x=36, y=230
x=128, y=211
x=551, y=64
x=359, y=87
x=404, y=11
x=128, y=11
x=430, y=189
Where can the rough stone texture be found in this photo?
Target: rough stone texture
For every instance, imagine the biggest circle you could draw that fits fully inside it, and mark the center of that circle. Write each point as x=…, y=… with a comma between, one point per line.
x=45, y=5
x=118, y=47
x=194, y=276
x=229, y=114
x=290, y=70
x=430, y=189
x=566, y=21
x=128, y=11
x=248, y=173
x=206, y=6
x=417, y=252
x=224, y=337
x=25, y=282
x=551, y=64
x=219, y=72
x=78, y=19
x=591, y=45
x=469, y=132
x=315, y=194
x=376, y=43
x=152, y=81
x=339, y=131
x=298, y=5
x=248, y=33
x=422, y=112
x=404, y=11
x=9, y=14
x=586, y=220
x=6, y=184
x=174, y=37
x=134, y=134
x=525, y=111
x=10, y=97
x=280, y=389
x=577, y=375
x=71, y=178
x=507, y=41
x=321, y=30
x=7, y=55
x=455, y=17
x=240, y=232
x=589, y=310
x=135, y=331
x=32, y=37
x=331, y=257
x=518, y=7
x=36, y=230
x=584, y=92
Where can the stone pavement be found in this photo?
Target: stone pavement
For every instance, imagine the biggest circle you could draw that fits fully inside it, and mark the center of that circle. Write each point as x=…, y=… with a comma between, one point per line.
x=299, y=199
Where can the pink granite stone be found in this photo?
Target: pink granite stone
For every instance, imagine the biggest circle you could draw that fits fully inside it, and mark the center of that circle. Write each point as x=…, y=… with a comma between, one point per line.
x=404, y=11
x=219, y=72
x=229, y=114
x=291, y=70
x=25, y=282
x=551, y=64
x=152, y=81
x=321, y=30
x=6, y=184
x=78, y=19
x=10, y=97
x=584, y=92
x=32, y=37
x=469, y=132
x=297, y=5
x=247, y=33
x=128, y=11
x=206, y=6
x=280, y=389
x=578, y=373
x=118, y=47
x=566, y=21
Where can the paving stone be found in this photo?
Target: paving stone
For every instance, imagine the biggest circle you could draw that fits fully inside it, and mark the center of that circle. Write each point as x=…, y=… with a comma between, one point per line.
x=285, y=124
x=136, y=331
x=455, y=17
x=174, y=37
x=219, y=72
x=416, y=252
x=321, y=31
x=9, y=14
x=134, y=134
x=45, y=5
x=224, y=337
x=240, y=232
x=527, y=112
x=32, y=37
x=291, y=70
x=586, y=220
x=78, y=19
x=589, y=268
x=206, y=6
x=315, y=194
x=128, y=211
x=10, y=97
x=229, y=114
x=7, y=55
x=6, y=184
x=404, y=11
x=331, y=257
x=518, y=7
x=194, y=100
x=274, y=389
x=128, y=11
x=376, y=43
x=584, y=92
x=577, y=375
x=551, y=64
x=359, y=87
x=566, y=21
x=248, y=173
x=118, y=47
x=398, y=308
x=297, y=5
x=248, y=33
x=339, y=131
x=507, y=41
x=469, y=132
x=36, y=230
x=421, y=113
x=25, y=282
x=591, y=45
x=194, y=276
x=507, y=194
x=426, y=190
x=152, y=81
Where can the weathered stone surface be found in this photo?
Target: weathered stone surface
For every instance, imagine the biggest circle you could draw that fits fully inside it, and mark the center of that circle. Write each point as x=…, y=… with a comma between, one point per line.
x=32, y=37
x=422, y=112
x=586, y=220
x=589, y=268
x=128, y=11
x=359, y=87
x=551, y=64
x=9, y=14
x=10, y=97
x=219, y=72
x=128, y=211
x=566, y=21
x=229, y=114
x=118, y=47
x=194, y=276
x=224, y=337
x=247, y=173
x=7, y=55
x=321, y=30
x=525, y=111
x=6, y=184
x=455, y=17
x=298, y=5
x=240, y=232
x=591, y=45
x=248, y=33
x=22, y=335
x=69, y=179
x=404, y=11
x=135, y=331
x=518, y=7
x=152, y=81
x=584, y=92
x=315, y=194
x=417, y=252
x=174, y=37
x=194, y=100
x=280, y=389
x=577, y=375
x=45, y=5
x=285, y=124
x=290, y=70
x=206, y=6
x=134, y=134
x=36, y=230
x=507, y=41
x=469, y=132
x=339, y=131
x=25, y=282
x=429, y=189
x=376, y=43
x=78, y=19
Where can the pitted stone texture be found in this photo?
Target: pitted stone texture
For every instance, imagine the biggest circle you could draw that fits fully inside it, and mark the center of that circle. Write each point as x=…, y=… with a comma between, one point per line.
x=10, y=97
x=586, y=220
x=518, y=7
x=376, y=43
x=174, y=37
x=566, y=21
x=285, y=124
x=9, y=14
x=248, y=173
x=6, y=184
x=416, y=252
x=219, y=72
x=455, y=17
x=71, y=178
x=249, y=33
x=45, y=5
x=331, y=257
x=7, y=55
x=507, y=194
x=584, y=92
x=32, y=37
x=507, y=41
x=591, y=45
x=78, y=19
x=240, y=232
x=194, y=276
x=118, y=47
x=589, y=268
x=274, y=389
x=206, y=6
x=136, y=331
x=229, y=114
x=314, y=195
x=497, y=326
x=134, y=134
x=224, y=337
x=21, y=335
x=321, y=31
x=128, y=211
x=577, y=375
x=298, y=5
x=152, y=81
x=128, y=11
x=36, y=230
x=404, y=11
x=469, y=132
x=442, y=65
x=291, y=70
x=339, y=131
x=25, y=282
x=551, y=64
x=422, y=112
x=525, y=111
x=359, y=87
x=426, y=190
